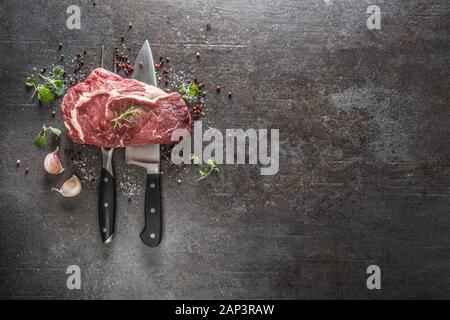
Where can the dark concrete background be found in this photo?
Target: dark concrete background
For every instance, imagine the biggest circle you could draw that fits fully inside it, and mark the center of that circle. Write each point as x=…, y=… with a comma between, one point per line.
x=365, y=150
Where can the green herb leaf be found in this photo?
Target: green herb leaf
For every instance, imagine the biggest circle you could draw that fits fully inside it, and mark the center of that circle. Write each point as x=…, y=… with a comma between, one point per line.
x=52, y=86
x=55, y=131
x=30, y=81
x=41, y=141
x=58, y=89
x=58, y=71
x=44, y=94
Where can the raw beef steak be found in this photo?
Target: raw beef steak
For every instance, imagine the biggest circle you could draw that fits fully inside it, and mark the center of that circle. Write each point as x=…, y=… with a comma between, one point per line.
x=90, y=107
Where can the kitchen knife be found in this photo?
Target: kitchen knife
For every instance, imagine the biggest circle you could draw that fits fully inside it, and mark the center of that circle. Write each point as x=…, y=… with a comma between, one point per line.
x=107, y=192
x=148, y=157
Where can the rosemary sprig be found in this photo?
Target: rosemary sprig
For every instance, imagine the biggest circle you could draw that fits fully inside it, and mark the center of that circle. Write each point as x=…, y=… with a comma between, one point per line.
x=124, y=117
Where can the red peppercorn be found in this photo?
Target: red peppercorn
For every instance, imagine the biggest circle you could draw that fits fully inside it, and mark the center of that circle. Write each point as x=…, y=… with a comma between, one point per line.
x=218, y=88
x=157, y=66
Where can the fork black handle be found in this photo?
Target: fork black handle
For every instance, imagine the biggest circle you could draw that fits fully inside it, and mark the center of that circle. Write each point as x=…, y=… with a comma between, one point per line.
x=151, y=235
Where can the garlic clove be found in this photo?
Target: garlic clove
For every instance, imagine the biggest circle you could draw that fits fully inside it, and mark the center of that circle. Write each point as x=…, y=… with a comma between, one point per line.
x=70, y=188
x=52, y=164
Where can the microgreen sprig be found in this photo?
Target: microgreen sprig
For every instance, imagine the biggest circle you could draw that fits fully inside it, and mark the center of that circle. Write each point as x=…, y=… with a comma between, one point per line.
x=205, y=172
x=190, y=91
x=41, y=140
x=52, y=87
x=125, y=117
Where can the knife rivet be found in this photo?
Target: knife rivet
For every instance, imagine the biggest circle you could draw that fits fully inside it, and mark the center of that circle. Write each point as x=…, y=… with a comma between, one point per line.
x=152, y=210
x=105, y=179
x=152, y=185
x=104, y=229
x=105, y=204
x=152, y=235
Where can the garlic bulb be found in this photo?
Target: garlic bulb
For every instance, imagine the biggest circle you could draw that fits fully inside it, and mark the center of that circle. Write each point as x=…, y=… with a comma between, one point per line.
x=70, y=188
x=52, y=164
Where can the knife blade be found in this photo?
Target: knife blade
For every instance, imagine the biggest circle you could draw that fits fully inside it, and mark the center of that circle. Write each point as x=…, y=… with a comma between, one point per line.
x=148, y=157
x=107, y=191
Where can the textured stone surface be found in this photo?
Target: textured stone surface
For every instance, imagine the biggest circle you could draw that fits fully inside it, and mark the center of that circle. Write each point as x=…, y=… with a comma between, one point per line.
x=365, y=152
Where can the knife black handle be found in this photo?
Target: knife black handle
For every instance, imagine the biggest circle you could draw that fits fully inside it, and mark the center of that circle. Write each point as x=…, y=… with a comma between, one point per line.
x=107, y=205
x=151, y=235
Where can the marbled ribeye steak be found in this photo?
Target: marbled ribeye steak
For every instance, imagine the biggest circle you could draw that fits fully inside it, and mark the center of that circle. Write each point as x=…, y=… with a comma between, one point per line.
x=90, y=107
